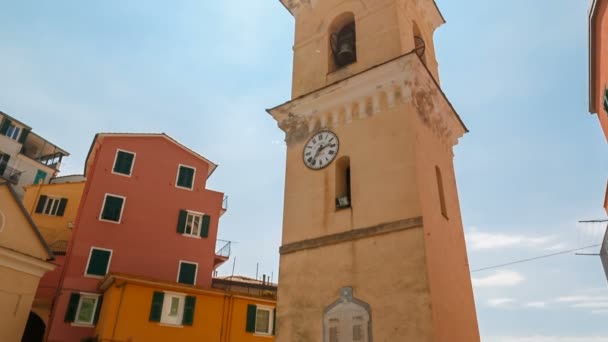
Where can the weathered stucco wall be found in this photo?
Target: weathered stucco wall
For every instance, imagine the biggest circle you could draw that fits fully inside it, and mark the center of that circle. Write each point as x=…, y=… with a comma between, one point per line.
x=16, y=295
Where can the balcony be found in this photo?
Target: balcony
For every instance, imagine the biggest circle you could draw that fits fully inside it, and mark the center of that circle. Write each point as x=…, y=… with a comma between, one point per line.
x=10, y=174
x=223, y=253
x=224, y=205
x=248, y=286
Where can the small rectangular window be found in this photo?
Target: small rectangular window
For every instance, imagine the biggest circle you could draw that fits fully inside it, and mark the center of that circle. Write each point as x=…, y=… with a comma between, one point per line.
x=123, y=162
x=99, y=262
x=112, y=208
x=87, y=308
x=444, y=210
x=185, y=177
x=262, y=321
x=187, y=272
x=172, y=308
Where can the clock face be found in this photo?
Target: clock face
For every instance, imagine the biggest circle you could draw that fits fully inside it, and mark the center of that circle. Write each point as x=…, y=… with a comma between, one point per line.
x=321, y=149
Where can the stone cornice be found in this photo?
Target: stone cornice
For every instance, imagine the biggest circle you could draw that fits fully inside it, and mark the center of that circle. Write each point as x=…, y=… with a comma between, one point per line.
x=404, y=80
x=24, y=263
x=293, y=6
x=351, y=235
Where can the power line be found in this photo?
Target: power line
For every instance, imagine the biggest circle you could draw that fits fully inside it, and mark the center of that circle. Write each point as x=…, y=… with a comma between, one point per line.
x=535, y=258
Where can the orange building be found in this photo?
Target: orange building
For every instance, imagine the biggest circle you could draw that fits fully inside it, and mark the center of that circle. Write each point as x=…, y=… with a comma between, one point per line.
x=140, y=309
x=598, y=66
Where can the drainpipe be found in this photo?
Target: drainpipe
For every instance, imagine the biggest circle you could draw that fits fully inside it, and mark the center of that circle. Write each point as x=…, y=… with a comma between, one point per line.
x=122, y=288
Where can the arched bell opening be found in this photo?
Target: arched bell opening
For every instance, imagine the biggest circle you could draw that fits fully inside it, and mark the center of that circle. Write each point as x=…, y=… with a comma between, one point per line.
x=342, y=41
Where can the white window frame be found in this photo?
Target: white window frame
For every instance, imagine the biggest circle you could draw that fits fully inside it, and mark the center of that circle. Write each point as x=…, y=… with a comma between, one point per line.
x=14, y=133
x=116, y=159
x=47, y=205
x=82, y=296
x=179, y=166
x=179, y=269
x=270, y=319
x=164, y=317
x=200, y=224
x=89, y=260
x=103, y=206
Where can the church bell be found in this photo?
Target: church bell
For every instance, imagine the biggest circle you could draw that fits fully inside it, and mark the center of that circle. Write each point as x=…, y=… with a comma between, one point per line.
x=343, y=45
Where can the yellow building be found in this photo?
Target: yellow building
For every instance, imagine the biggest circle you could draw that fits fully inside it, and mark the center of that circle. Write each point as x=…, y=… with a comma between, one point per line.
x=373, y=244
x=141, y=309
x=53, y=207
x=24, y=259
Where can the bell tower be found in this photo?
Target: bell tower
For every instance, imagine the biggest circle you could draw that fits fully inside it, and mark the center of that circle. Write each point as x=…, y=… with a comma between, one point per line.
x=373, y=246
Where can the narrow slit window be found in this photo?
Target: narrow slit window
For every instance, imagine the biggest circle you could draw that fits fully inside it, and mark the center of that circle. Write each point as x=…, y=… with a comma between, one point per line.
x=343, y=183
x=444, y=210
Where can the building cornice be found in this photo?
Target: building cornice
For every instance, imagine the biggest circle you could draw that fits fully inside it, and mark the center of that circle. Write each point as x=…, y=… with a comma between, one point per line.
x=403, y=80
x=24, y=263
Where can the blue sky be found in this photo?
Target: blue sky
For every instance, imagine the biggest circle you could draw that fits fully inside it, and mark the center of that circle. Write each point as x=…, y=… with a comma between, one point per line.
x=533, y=164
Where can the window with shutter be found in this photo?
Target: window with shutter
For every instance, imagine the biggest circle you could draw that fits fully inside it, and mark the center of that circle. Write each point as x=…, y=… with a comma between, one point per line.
x=99, y=262
x=123, y=162
x=157, y=306
x=41, y=204
x=83, y=308
x=112, y=208
x=185, y=177
x=187, y=272
x=189, y=305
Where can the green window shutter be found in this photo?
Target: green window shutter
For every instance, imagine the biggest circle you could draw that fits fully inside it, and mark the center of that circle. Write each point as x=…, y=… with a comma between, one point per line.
x=251, y=313
x=41, y=203
x=70, y=313
x=189, y=310
x=187, y=273
x=98, y=263
x=157, y=306
x=205, y=226
x=124, y=162
x=40, y=176
x=62, y=204
x=181, y=221
x=185, y=177
x=606, y=100
x=5, y=125
x=112, y=208
x=98, y=309
x=24, y=135
x=274, y=321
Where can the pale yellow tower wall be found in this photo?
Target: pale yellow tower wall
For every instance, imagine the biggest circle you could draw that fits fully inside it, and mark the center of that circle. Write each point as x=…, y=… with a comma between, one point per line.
x=392, y=282
x=447, y=263
x=384, y=31
x=382, y=156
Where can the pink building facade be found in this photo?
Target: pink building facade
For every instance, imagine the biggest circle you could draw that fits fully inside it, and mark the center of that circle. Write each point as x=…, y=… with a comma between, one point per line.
x=146, y=212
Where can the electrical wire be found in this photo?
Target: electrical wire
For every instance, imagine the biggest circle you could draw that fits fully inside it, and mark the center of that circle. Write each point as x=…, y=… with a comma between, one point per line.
x=532, y=259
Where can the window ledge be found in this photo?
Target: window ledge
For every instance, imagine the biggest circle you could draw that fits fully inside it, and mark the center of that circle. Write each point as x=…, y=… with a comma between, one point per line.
x=169, y=325
x=192, y=236
x=122, y=174
x=82, y=325
x=184, y=188
x=263, y=335
x=109, y=221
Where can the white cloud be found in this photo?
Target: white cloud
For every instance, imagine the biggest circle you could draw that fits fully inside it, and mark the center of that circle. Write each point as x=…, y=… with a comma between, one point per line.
x=599, y=312
x=478, y=240
x=500, y=302
x=536, y=305
x=499, y=279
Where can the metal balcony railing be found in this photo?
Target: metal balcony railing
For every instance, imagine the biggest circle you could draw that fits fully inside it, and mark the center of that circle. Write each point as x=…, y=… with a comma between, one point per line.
x=9, y=173
x=224, y=250
x=225, y=203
